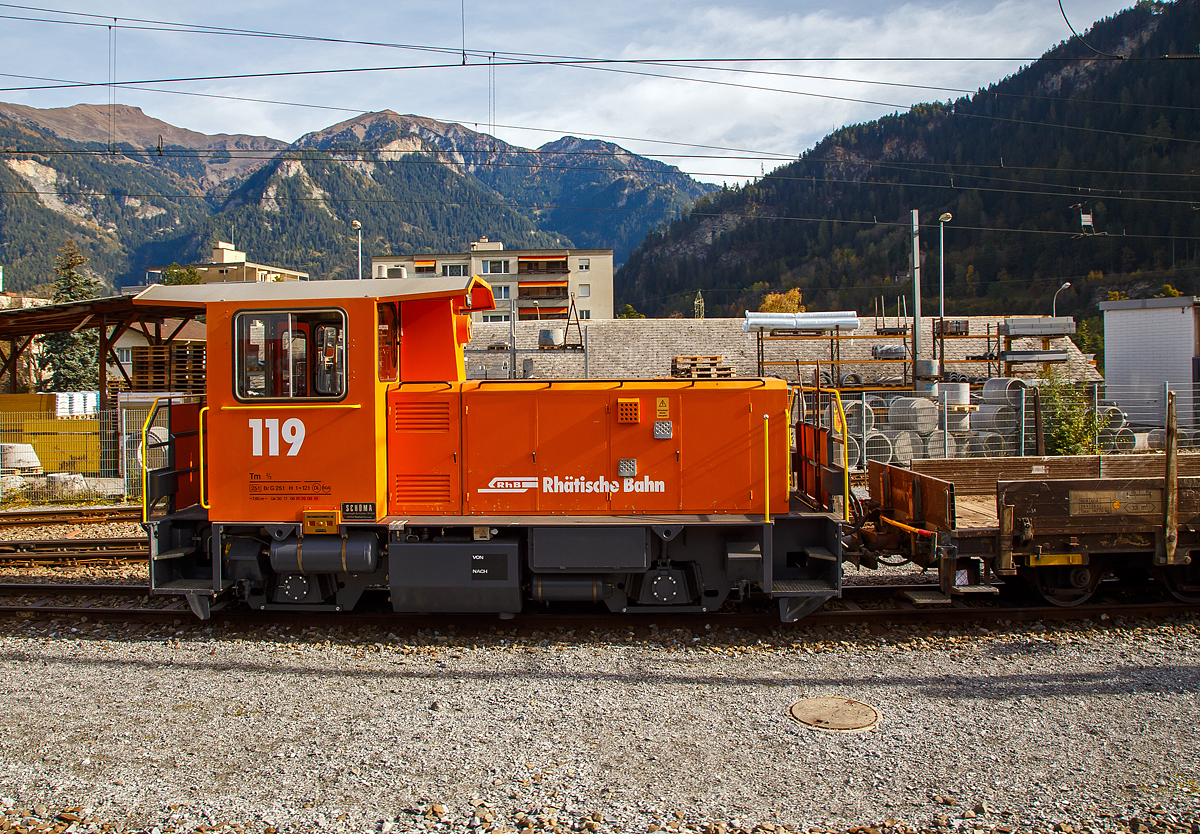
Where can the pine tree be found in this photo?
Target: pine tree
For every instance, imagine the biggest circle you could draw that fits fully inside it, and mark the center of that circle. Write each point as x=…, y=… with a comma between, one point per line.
x=70, y=358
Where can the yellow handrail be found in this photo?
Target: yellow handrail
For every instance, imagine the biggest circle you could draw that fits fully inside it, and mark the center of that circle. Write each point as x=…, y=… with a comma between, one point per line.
x=288, y=406
x=841, y=417
x=145, y=452
x=767, y=465
x=203, y=472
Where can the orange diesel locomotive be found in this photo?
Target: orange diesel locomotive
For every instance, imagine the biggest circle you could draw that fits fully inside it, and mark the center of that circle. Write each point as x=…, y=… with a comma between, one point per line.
x=340, y=449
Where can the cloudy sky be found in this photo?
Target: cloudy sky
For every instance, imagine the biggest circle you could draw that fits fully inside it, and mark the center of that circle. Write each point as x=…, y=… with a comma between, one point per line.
x=730, y=119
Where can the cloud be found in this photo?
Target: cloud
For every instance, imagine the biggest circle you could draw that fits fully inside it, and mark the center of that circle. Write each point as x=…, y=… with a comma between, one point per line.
x=784, y=119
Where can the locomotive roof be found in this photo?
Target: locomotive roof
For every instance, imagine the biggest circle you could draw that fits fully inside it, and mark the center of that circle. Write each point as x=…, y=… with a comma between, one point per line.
x=201, y=295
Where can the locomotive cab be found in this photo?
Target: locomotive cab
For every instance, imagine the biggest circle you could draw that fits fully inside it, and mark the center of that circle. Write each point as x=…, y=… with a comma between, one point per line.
x=341, y=448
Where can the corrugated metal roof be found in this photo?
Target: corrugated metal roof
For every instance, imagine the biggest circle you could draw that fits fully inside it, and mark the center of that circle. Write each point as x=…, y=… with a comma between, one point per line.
x=200, y=295
x=78, y=315
x=1148, y=303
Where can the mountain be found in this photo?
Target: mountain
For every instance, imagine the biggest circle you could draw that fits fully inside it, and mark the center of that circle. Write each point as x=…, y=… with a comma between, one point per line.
x=90, y=124
x=136, y=192
x=1015, y=164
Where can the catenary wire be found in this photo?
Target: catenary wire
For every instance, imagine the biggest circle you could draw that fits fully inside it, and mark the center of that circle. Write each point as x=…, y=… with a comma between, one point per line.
x=617, y=210
x=1049, y=189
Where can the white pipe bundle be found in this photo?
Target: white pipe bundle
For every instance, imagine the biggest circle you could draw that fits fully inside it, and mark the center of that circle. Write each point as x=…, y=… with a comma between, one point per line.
x=841, y=320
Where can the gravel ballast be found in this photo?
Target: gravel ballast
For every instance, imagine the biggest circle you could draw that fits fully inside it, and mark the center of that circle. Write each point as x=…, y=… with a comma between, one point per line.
x=205, y=727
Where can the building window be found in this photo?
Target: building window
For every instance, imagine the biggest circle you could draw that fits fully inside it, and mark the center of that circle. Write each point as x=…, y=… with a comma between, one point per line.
x=125, y=355
x=424, y=269
x=495, y=267
x=455, y=270
x=585, y=314
x=585, y=290
x=495, y=316
x=585, y=264
x=290, y=355
x=500, y=292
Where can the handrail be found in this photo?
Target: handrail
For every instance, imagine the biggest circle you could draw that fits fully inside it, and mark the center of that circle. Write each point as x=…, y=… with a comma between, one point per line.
x=767, y=466
x=145, y=456
x=278, y=405
x=841, y=415
x=203, y=471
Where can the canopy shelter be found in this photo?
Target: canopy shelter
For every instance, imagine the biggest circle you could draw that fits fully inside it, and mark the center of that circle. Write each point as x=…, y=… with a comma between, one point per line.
x=112, y=317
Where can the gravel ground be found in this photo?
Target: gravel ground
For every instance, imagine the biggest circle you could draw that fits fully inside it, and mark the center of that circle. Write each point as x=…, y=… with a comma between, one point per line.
x=203, y=728
x=109, y=530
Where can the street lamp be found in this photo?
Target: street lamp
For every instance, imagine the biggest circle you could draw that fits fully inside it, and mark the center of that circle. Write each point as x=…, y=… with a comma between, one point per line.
x=942, y=221
x=1054, y=302
x=356, y=226
x=538, y=308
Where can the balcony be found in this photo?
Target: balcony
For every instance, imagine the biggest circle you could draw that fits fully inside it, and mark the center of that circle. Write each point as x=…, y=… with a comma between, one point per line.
x=542, y=268
x=543, y=294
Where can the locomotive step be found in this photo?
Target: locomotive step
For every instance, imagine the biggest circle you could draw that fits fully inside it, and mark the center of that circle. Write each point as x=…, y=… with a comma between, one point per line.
x=801, y=587
x=931, y=597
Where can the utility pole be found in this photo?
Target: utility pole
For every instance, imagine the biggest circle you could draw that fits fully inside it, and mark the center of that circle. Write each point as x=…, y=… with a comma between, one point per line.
x=916, y=273
x=356, y=226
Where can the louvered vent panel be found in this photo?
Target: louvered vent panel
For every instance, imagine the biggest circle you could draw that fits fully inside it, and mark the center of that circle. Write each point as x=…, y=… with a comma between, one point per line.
x=422, y=489
x=423, y=416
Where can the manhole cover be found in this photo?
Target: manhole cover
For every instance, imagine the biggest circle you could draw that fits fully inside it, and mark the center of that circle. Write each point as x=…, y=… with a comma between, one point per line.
x=835, y=714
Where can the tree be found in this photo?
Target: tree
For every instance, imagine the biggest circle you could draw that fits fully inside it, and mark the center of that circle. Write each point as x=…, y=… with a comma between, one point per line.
x=70, y=358
x=629, y=313
x=176, y=274
x=1072, y=426
x=782, y=302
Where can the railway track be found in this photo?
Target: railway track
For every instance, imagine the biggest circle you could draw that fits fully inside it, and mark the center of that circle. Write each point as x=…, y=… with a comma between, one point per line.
x=886, y=609
x=70, y=515
x=57, y=552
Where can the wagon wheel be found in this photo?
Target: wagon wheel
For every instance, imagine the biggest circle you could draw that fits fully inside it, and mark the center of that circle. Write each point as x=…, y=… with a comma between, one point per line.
x=1181, y=581
x=1065, y=585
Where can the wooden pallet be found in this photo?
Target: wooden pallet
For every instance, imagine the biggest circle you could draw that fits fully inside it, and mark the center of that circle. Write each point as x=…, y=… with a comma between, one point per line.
x=700, y=367
x=178, y=368
x=721, y=372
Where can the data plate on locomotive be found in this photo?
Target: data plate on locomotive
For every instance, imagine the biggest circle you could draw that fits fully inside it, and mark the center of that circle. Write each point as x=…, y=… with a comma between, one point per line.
x=1116, y=502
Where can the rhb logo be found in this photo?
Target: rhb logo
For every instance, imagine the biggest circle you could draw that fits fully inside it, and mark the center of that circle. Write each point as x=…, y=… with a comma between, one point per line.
x=511, y=485
x=555, y=484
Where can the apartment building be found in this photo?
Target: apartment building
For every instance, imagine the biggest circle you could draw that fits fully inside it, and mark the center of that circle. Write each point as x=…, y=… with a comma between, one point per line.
x=230, y=264
x=536, y=284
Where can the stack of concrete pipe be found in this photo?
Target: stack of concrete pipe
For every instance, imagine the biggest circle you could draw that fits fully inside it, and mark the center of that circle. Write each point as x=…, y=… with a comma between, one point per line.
x=855, y=413
x=915, y=414
x=901, y=429
x=905, y=445
x=1117, y=440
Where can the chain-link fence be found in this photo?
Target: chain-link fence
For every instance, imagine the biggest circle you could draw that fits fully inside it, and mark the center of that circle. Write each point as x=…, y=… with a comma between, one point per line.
x=1001, y=417
x=97, y=456
x=45, y=458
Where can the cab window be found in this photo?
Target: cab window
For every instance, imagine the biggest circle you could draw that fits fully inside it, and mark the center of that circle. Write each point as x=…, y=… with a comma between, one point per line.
x=389, y=342
x=290, y=355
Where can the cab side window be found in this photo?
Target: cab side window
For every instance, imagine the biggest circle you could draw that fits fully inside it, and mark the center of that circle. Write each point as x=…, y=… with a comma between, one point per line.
x=389, y=342
x=290, y=355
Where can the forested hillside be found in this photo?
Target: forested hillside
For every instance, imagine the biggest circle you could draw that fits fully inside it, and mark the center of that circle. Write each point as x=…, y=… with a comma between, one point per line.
x=415, y=184
x=1015, y=164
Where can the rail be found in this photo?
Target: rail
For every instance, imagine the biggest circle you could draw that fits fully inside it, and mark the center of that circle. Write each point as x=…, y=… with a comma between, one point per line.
x=74, y=515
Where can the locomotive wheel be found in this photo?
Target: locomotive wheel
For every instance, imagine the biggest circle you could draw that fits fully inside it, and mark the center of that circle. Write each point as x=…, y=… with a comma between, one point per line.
x=1182, y=581
x=1065, y=585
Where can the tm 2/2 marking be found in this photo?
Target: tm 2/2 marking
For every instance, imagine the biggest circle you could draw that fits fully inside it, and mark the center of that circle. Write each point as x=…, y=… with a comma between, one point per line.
x=293, y=435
